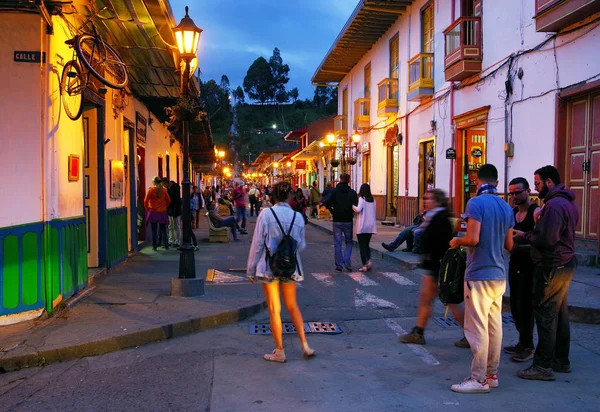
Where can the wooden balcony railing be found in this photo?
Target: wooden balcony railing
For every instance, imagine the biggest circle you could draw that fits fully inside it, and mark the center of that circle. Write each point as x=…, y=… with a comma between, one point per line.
x=388, y=97
x=420, y=76
x=555, y=15
x=340, y=125
x=362, y=113
x=463, y=48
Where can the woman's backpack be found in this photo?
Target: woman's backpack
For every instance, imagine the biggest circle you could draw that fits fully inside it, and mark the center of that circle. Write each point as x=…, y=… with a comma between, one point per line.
x=283, y=262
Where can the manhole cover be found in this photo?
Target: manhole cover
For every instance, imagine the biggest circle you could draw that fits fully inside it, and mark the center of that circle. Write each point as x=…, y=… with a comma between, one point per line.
x=507, y=319
x=446, y=322
x=330, y=328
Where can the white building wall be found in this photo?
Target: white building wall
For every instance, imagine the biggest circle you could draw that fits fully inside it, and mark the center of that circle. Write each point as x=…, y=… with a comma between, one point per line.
x=508, y=28
x=20, y=130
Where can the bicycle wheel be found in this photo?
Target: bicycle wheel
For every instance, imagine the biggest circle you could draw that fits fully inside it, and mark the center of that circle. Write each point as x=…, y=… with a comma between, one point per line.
x=71, y=89
x=101, y=60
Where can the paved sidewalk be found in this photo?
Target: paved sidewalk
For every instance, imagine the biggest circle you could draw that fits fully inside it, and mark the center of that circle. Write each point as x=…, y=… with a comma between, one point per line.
x=584, y=293
x=131, y=306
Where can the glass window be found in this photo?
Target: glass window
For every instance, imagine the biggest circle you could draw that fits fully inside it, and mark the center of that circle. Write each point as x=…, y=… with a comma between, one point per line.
x=394, y=63
x=427, y=27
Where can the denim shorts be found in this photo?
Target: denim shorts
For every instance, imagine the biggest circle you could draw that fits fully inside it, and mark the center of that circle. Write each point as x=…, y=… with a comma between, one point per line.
x=274, y=280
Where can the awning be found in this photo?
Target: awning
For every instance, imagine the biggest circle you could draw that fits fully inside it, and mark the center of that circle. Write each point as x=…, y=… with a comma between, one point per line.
x=312, y=151
x=369, y=21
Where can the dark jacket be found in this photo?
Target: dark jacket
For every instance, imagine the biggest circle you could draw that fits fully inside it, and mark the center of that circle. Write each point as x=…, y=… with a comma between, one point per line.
x=435, y=241
x=174, y=208
x=340, y=202
x=553, y=238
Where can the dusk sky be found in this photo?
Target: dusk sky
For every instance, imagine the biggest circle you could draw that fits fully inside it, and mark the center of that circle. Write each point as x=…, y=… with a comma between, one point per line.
x=236, y=32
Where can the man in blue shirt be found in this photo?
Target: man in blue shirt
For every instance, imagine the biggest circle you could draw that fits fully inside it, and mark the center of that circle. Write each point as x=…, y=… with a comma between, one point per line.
x=489, y=230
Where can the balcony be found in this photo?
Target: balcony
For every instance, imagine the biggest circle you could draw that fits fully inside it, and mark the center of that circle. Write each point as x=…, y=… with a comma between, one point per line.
x=388, y=98
x=463, y=49
x=555, y=15
x=362, y=113
x=340, y=126
x=420, y=77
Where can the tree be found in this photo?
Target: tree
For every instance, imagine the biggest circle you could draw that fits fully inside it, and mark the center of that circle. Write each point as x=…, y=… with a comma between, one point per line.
x=282, y=96
x=294, y=94
x=258, y=83
x=279, y=71
x=321, y=97
x=238, y=94
x=225, y=84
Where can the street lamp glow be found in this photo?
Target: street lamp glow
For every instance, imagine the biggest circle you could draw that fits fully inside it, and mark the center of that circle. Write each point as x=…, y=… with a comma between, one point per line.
x=321, y=144
x=276, y=165
x=221, y=154
x=274, y=126
x=226, y=170
x=289, y=164
x=356, y=138
x=330, y=138
x=187, y=35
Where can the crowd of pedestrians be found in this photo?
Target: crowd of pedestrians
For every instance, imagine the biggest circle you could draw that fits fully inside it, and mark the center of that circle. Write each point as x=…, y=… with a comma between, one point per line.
x=539, y=240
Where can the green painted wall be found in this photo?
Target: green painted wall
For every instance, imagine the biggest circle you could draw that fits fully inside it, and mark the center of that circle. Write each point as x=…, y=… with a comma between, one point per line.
x=117, y=248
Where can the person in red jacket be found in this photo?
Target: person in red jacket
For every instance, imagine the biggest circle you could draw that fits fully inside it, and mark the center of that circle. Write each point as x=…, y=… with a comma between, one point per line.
x=156, y=202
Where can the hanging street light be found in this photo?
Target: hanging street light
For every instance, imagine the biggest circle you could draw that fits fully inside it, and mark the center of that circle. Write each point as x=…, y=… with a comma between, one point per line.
x=187, y=35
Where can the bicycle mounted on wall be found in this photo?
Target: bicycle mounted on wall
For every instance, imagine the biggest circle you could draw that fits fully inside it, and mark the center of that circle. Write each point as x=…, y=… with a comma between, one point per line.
x=98, y=59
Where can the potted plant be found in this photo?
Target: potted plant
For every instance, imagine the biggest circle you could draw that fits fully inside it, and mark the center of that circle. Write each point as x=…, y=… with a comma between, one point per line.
x=334, y=163
x=187, y=108
x=352, y=161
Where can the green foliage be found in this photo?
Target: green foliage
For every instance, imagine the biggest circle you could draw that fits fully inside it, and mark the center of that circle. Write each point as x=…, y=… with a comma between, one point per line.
x=258, y=83
x=238, y=94
x=215, y=98
x=294, y=93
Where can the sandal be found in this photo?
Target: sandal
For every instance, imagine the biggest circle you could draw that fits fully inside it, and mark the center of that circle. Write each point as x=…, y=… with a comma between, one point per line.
x=363, y=269
x=275, y=356
x=308, y=353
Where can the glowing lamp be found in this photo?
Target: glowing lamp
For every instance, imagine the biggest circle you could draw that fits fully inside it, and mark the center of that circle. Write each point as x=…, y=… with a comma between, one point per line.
x=187, y=35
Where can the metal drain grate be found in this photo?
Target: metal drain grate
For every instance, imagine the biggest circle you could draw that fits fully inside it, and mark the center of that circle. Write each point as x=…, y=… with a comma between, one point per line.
x=330, y=328
x=446, y=322
x=507, y=319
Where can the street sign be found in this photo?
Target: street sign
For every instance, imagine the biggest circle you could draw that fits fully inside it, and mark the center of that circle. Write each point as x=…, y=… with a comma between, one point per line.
x=29, y=56
x=451, y=153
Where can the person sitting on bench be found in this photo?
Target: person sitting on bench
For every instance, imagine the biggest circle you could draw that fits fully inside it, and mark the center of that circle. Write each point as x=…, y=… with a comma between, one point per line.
x=406, y=235
x=219, y=221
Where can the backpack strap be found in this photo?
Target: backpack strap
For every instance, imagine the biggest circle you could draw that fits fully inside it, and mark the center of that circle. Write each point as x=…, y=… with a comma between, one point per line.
x=281, y=226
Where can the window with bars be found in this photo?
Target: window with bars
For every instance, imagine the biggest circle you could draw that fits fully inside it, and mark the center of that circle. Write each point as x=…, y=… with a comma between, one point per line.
x=427, y=28
x=394, y=61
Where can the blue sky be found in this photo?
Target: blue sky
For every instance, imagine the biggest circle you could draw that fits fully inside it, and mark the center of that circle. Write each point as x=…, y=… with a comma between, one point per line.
x=236, y=32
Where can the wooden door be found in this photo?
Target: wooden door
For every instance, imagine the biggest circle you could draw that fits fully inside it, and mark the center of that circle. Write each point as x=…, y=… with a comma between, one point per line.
x=141, y=192
x=583, y=162
x=426, y=169
x=90, y=182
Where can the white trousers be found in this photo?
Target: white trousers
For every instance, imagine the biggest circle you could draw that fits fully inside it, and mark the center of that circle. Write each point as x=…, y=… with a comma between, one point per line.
x=175, y=230
x=483, y=325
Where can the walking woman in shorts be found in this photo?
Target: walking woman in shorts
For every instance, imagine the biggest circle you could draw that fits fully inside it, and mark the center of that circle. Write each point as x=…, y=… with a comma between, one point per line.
x=156, y=202
x=366, y=225
x=267, y=236
x=438, y=234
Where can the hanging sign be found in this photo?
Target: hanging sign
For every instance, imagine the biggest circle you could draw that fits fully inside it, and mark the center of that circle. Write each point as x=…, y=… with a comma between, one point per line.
x=451, y=153
x=477, y=153
x=29, y=56
x=300, y=164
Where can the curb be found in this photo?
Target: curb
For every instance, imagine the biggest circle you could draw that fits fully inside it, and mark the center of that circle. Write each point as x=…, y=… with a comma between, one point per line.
x=374, y=252
x=577, y=314
x=116, y=343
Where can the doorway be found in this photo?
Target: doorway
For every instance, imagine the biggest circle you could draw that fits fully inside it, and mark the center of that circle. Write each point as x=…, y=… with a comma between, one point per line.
x=475, y=155
x=393, y=180
x=90, y=183
x=426, y=168
x=583, y=161
x=141, y=192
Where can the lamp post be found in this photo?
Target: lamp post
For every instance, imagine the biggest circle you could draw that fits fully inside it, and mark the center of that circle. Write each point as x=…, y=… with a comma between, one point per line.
x=188, y=37
x=346, y=148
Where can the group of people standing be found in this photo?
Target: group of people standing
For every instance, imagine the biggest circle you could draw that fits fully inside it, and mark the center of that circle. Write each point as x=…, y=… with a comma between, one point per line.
x=540, y=241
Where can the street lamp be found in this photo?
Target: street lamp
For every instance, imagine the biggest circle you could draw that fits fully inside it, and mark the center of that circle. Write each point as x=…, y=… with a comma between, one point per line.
x=187, y=35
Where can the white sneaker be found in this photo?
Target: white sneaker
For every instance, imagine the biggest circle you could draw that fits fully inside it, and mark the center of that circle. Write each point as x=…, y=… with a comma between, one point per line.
x=492, y=380
x=471, y=386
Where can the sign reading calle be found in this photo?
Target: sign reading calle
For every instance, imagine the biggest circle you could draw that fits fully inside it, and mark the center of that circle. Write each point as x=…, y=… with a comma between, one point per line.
x=451, y=153
x=29, y=56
